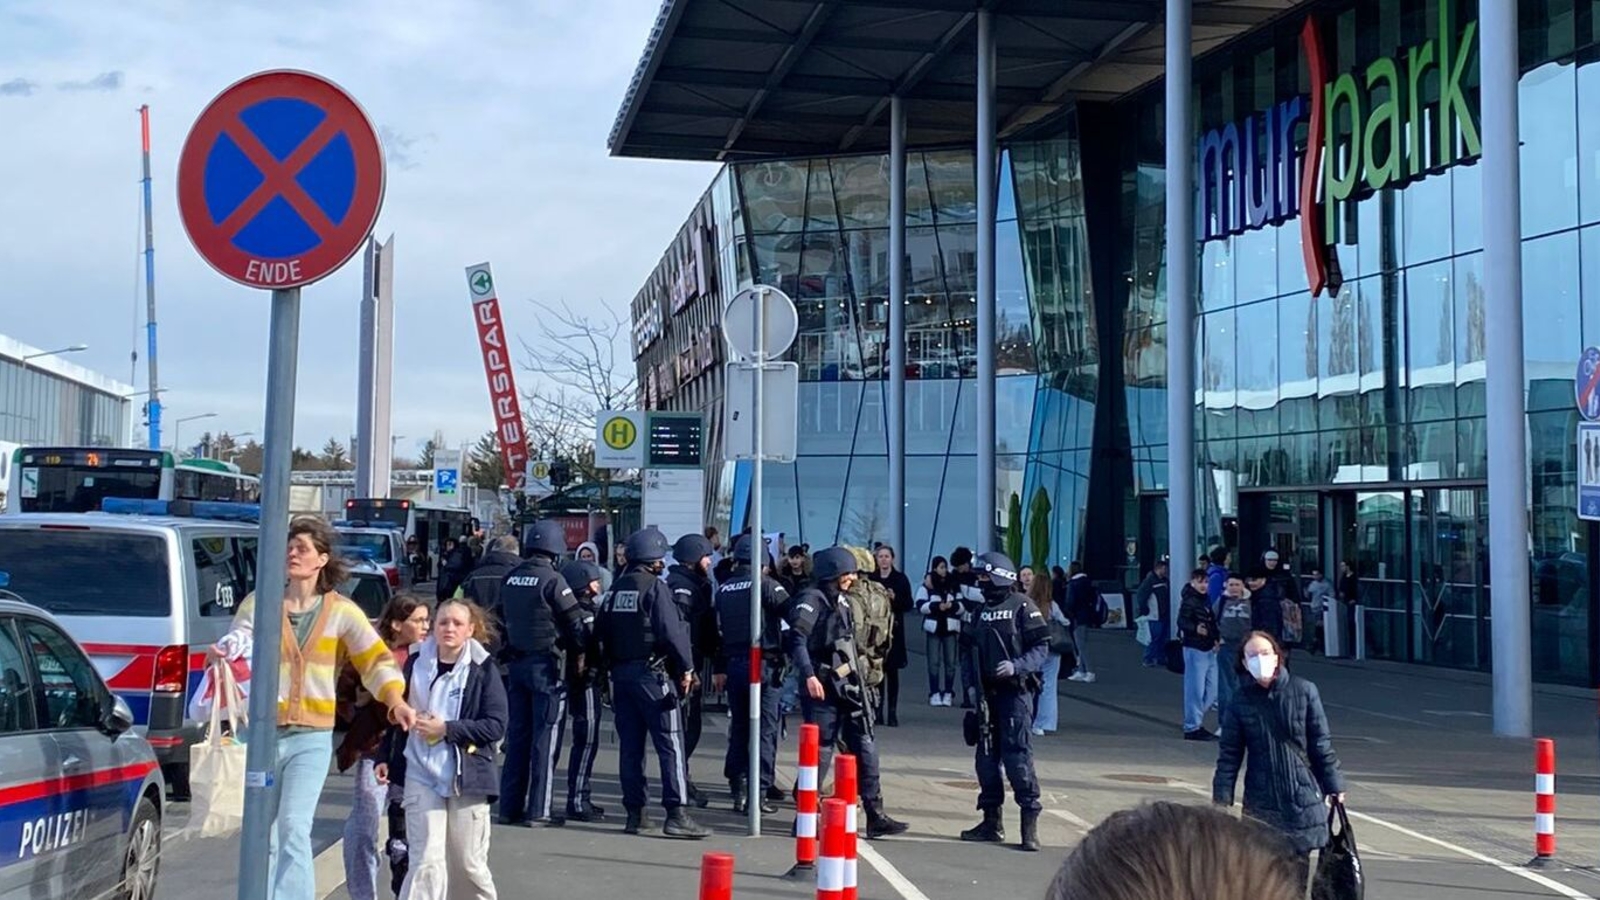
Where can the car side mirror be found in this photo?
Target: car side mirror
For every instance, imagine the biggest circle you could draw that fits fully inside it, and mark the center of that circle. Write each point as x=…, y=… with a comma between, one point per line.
x=119, y=718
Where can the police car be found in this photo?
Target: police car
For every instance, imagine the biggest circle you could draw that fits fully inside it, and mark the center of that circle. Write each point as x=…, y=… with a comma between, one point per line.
x=145, y=587
x=80, y=792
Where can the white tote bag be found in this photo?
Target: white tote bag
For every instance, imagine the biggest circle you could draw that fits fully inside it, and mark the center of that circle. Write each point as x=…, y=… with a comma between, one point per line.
x=217, y=766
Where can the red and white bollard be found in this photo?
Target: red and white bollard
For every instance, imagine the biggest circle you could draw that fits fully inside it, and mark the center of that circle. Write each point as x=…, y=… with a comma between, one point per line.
x=1544, y=803
x=716, y=876
x=830, y=868
x=845, y=789
x=805, y=799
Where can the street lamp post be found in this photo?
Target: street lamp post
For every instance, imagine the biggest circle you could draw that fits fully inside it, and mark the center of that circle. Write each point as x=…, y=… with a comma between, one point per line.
x=177, y=428
x=75, y=348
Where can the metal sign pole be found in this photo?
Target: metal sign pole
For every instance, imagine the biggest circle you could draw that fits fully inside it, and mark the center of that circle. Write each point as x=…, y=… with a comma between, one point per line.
x=758, y=556
x=261, y=758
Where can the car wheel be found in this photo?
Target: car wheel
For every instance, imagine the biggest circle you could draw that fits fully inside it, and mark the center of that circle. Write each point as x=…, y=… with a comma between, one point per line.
x=142, y=859
x=177, y=782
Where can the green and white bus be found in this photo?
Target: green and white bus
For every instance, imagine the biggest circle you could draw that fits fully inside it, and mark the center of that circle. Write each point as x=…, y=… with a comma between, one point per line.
x=76, y=479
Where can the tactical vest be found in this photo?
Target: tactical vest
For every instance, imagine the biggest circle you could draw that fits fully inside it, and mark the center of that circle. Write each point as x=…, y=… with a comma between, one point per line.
x=997, y=633
x=623, y=621
x=530, y=621
x=733, y=613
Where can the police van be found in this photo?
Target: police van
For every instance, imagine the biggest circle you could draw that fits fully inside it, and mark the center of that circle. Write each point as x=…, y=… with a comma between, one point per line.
x=145, y=586
x=80, y=792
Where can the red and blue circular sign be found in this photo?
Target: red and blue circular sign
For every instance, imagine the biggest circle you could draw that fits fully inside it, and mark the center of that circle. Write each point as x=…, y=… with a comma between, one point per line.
x=1586, y=385
x=281, y=180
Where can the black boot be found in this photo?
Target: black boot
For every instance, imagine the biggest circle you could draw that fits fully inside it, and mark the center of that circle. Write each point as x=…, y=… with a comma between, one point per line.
x=638, y=822
x=698, y=797
x=990, y=831
x=680, y=826
x=585, y=812
x=736, y=788
x=879, y=824
x=775, y=793
x=1030, y=830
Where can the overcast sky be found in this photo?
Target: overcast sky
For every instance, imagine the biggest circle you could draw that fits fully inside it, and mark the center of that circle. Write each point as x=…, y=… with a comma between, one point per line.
x=495, y=115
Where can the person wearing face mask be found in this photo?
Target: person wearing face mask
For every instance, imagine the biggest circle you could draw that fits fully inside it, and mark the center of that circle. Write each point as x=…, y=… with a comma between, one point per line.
x=1277, y=731
x=1010, y=643
x=690, y=580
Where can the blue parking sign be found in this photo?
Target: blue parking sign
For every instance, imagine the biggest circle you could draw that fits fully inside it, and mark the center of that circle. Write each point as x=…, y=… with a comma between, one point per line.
x=444, y=481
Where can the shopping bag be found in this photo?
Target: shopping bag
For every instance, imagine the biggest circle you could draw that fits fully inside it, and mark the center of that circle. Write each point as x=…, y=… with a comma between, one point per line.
x=236, y=648
x=1143, y=634
x=217, y=766
x=1339, y=867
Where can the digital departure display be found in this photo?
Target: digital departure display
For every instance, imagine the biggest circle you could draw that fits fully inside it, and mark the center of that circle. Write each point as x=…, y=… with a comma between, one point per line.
x=675, y=440
x=90, y=459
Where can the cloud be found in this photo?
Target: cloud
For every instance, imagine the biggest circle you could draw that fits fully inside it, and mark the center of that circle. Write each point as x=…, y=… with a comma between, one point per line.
x=105, y=82
x=399, y=147
x=18, y=87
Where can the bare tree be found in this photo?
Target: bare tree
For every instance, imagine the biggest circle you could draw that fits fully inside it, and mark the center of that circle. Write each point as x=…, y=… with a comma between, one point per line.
x=583, y=368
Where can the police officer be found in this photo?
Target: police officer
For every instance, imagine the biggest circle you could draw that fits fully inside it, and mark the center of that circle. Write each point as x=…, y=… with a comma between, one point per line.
x=583, y=693
x=645, y=646
x=821, y=646
x=690, y=581
x=541, y=616
x=1010, y=642
x=483, y=585
x=732, y=668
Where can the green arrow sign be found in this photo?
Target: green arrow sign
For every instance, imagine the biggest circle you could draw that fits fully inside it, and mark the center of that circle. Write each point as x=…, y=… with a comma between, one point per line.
x=482, y=284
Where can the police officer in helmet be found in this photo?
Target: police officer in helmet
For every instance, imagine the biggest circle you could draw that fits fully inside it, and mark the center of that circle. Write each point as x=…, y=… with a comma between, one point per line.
x=822, y=647
x=1010, y=643
x=645, y=645
x=690, y=581
x=732, y=668
x=583, y=694
x=542, y=616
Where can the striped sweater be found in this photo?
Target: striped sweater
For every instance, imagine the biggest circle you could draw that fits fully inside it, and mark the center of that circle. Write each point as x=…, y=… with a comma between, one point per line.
x=308, y=676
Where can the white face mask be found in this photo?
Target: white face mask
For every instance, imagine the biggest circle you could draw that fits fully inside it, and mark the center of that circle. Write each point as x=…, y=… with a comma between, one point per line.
x=1263, y=668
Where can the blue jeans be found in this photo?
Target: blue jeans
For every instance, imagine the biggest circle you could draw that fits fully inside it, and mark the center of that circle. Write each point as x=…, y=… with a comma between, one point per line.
x=1156, y=653
x=1046, y=715
x=1080, y=633
x=361, y=833
x=942, y=662
x=1199, y=686
x=303, y=759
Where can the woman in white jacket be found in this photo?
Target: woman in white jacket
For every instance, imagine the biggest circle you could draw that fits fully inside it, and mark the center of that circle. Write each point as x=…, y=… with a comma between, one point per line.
x=938, y=599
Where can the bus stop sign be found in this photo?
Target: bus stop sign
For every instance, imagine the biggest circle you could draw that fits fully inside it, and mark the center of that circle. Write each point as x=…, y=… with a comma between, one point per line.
x=280, y=180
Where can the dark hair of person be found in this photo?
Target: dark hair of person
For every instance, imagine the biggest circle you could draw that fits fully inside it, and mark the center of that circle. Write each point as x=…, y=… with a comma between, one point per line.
x=1197, y=572
x=1277, y=648
x=396, y=613
x=1258, y=571
x=1172, y=851
x=961, y=556
x=483, y=629
x=1219, y=555
x=1074, y=569
x=324, y=539
x=1235, y=576
x=1058, y=573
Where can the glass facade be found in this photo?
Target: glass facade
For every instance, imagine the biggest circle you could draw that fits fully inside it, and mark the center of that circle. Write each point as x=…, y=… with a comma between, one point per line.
x=1343, y=426
x=38, y=406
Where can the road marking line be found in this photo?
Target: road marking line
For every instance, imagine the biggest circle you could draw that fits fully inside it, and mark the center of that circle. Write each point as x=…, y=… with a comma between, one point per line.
x=328, y=867
x=1071, y=817
x=900, y=883
x=1548, y=883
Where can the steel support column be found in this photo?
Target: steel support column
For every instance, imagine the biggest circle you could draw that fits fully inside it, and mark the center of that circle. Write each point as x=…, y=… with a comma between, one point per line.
x=988, y=175
x=1507, y=409
x=1180, y=288
x=897, y=326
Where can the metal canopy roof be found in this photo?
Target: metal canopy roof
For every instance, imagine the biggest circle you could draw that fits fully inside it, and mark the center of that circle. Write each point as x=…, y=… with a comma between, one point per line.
x=746, y=79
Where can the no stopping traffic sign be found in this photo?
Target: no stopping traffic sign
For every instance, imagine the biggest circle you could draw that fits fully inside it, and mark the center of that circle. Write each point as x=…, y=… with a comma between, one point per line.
x=280, y=180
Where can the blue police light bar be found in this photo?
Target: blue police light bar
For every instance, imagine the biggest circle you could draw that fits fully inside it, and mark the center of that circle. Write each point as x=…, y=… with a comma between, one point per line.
x=366, y=553
x=185, y=509
x=5, y=579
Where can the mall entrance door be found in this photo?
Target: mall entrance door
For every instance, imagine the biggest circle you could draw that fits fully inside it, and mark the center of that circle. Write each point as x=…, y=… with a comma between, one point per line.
x=1421, y=561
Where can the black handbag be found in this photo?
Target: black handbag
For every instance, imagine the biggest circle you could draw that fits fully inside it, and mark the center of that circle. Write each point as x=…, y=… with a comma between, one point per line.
x=1175, y=663
x=1063, y=645
x=1339, y=874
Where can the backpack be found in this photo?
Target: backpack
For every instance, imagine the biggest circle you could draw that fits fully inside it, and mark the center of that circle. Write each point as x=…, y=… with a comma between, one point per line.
x=1293, y=625
x=872, y=614
x=1234, y=620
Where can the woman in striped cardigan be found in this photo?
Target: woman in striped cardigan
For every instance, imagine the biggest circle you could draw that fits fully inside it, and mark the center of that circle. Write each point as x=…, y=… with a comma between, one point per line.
x=321, y=630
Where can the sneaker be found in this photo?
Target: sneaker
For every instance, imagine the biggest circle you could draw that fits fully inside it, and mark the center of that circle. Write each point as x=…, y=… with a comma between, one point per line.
x=949, y=699
x=1088, y=678
x=1199, y=734
x=935, y=699
x=1077, y=676
x=1038, y=732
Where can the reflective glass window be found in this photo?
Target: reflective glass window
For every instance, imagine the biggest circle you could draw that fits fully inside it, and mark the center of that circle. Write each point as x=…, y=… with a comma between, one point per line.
x=1255, y=263
x=828, y=414
x=1297, y=362
x=821, y=482
x=820, y=211
x=1014, y=402
x=953, y=186
x=930, y=414
x=924, y=479
x=1218, y=357
x=1257, y=353
x=1006, y=196
x=1548, y=127
x=1430, y=350
x=1472, y=449
x=861, y=186
x=774, y=194
x=1588, y=86
x=1470, y=350
x=1424, y=205
x=1370, y=346
x=1551, y=327
x=1216, y=274
x=1466, y=208
x=1589, y=262
x=781, y=501
x=919, y=206
x=1013, y=314
x=864, y=517
x=1430, y=451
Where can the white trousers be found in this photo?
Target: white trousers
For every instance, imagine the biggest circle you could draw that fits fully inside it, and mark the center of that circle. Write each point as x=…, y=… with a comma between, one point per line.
x=448, y=839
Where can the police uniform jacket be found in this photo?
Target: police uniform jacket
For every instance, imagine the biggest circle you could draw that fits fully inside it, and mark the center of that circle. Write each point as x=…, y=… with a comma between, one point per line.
x=639, y=622
x=734, y=627
x=816, y=621
x=1010, y=629
x=542, y=615
x=483, y=585
x=692, y=592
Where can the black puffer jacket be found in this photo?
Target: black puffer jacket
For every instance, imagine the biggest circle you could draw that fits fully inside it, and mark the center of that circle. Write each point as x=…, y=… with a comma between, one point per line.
x=1280, y=789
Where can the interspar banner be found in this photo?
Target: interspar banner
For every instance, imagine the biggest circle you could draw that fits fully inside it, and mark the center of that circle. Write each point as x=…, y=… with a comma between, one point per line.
x=497, y=368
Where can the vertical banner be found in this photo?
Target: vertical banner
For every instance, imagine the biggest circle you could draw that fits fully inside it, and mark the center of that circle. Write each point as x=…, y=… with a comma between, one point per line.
x=497, y=368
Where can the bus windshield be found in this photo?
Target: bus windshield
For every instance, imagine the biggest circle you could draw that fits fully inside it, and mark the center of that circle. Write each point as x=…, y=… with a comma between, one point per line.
x=76, y=480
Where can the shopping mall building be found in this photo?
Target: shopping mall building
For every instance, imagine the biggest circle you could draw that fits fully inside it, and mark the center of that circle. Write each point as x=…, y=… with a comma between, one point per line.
x=1349, y=282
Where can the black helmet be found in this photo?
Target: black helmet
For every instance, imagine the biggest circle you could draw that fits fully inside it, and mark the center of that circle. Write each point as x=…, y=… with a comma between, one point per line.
x=691, y=548
x=742, y=549
x=647, y=545
x=578, y=575
x=997, y=566
x=832, y=563
x=546, y=537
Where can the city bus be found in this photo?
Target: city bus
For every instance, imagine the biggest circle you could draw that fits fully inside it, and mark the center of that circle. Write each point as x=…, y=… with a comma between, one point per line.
x=430, y=523
x=77, y=479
